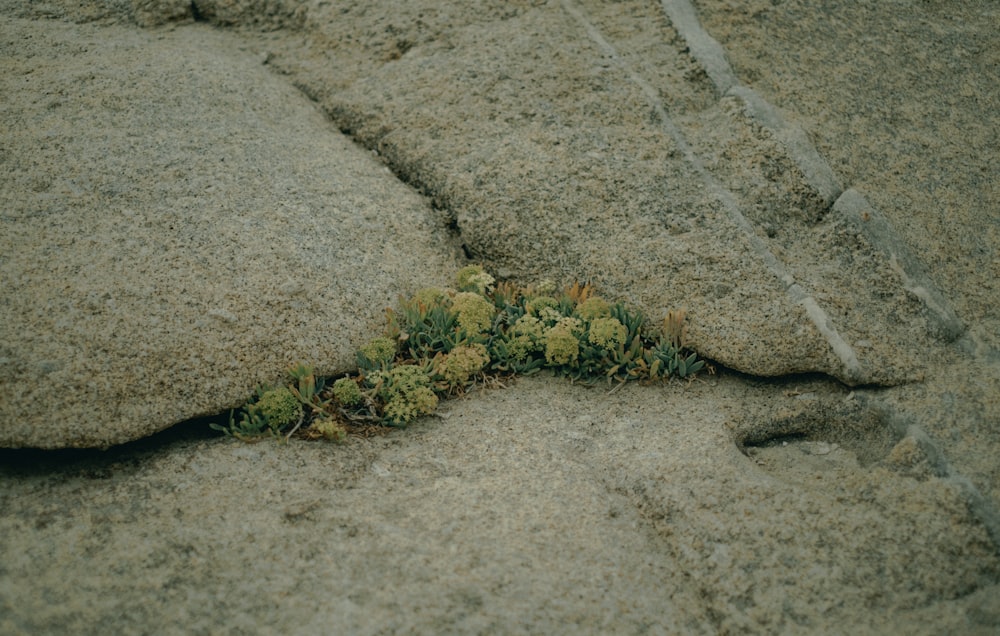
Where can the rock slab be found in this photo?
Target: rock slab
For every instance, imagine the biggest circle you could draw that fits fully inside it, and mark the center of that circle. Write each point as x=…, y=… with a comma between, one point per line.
x=178, y=226
x=520, y=510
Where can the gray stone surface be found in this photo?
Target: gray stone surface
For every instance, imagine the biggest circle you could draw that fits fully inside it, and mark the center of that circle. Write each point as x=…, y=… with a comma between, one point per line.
x=927, y=164
x=564, y=139
x=540, y=508
x=580, y=138
x=178, y=226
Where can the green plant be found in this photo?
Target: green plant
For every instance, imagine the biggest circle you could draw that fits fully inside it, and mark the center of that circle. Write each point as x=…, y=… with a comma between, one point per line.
x=456, y=369
x=669, y=356
x=425, y=330
x=272, y=410
x=406, y=392
x=473, y=312
x=279, y=407
x=606, y=333
x=329, y=429
x=473, y=278
x=347, y=392
x=377, y=354
x=562, y=343
x=519, y=347
x=440, y=341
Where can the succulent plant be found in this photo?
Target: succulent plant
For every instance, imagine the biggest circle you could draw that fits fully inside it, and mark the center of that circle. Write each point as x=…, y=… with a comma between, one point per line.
x=272, y=410
x=475, y=313
x=562, y=345
x=473, y=278
x=440, y=340
x=593, y=308
x=429, y=296
x=606, y=333
x=377, y=354
x=407, y=394
x=538, y=304
x=425, y=330
x=458, y=367
x=347, y=392
x=328, y=428
x=279, y=407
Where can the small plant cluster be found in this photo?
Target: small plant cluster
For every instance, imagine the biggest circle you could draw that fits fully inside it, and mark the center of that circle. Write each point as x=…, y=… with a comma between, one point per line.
x=278, y=409
x=441, y=341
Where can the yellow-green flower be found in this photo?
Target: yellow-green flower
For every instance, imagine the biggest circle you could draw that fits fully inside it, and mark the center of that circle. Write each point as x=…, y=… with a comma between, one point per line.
x=403, y=409
x=573, y=324
x=462, y=363
x=536, y=305
x=593, y=307
x=528, y=325
x=429, y=297
x=279, y=407
x=474, y=278
x=607, y=332
x=545, y=287
x=561, y=345
x=407, y=394
x=347, y=392
x=329, y=429
x=520, y=347
x=377, y=352
x=475, y=313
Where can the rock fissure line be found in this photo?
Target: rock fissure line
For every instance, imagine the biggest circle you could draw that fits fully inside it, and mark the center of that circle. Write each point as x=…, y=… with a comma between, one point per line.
x=820, y=319
x=852, y=205
x=449, y=223
x=981, y=507
x=707, y=51
x=798, y=295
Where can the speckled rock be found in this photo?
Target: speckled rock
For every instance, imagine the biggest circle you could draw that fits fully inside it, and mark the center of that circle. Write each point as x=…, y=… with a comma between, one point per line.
x=581, y=140
x=178, y=225
x=539, y=126
x=569, y=138
x=521, y=510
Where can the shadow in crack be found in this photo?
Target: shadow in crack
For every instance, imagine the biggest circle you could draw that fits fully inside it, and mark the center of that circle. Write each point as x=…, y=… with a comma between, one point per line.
x=819, y=436
x=99, y=463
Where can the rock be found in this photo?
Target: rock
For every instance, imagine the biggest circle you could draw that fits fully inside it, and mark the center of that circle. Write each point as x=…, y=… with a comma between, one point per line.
x=526, y=509
x=579, y=141
x=178, y=226
x=156, y=12
x=707, y=505
x=272, y=13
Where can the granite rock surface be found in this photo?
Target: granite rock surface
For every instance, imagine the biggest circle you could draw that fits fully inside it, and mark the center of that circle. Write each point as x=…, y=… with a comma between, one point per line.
x=179, y=225
x=826, y=215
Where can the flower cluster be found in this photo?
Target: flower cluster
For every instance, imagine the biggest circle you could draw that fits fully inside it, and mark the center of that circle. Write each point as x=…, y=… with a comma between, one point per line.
x=440, y=341
x=272, y=410
x=279, y=407
x=607, y=333
x=562, y=346
x=474, y=278
x=475, y=313
x=464, y=361
x=406, y=392
x=377, y=354
x=347, y=392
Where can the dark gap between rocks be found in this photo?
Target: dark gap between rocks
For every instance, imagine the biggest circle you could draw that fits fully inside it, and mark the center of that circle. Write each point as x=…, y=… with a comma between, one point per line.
x=196, y=13
x=860, y=429
x=97, y=463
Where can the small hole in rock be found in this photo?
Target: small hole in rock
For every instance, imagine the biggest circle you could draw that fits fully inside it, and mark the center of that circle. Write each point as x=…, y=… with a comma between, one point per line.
x=861, y=430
